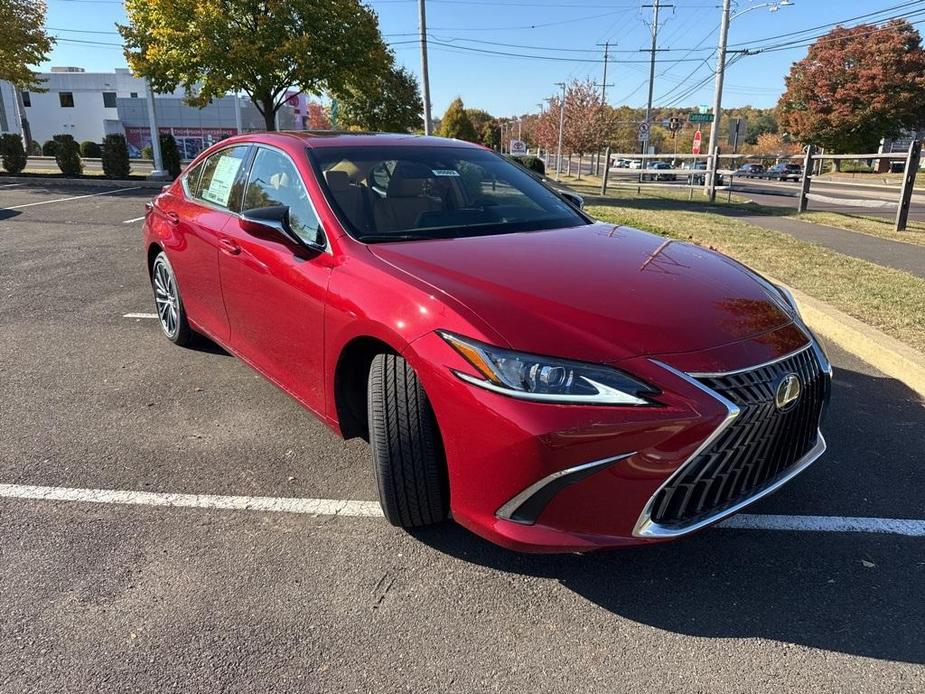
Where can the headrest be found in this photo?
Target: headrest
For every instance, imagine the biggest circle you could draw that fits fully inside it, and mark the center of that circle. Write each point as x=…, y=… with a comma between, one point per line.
x=338, y=181
x=406, y=187
x=279, y=180
x=408, y=180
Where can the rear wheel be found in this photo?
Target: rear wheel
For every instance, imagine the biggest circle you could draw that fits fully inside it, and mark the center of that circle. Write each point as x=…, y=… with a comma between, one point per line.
x=407, y=451
x=170, y=311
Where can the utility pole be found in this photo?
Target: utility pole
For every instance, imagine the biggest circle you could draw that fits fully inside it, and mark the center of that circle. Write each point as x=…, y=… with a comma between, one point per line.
x=425, y=79
x=158, y=173
x=603, y=85
x=720, y=73
x=561, y=128
x=656, y=6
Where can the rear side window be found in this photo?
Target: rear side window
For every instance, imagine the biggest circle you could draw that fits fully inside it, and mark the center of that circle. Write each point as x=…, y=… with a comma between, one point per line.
x=219, y=179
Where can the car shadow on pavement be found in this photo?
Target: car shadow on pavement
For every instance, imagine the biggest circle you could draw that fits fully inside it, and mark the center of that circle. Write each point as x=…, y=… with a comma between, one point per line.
x=9, y=214
x=203, y=344
x=859, y=594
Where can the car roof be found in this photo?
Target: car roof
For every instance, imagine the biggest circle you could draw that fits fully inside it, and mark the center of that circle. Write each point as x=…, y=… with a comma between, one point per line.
x=317, y=139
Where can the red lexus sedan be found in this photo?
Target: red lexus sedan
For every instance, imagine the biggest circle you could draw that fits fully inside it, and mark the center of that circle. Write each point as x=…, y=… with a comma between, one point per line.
x=551, y=382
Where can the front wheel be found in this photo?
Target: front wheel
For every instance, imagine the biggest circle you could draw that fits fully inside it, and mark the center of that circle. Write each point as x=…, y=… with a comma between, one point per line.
x=170, y=311
x=407, y=452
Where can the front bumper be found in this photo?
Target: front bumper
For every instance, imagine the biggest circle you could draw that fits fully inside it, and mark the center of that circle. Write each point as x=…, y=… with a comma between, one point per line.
x=554, y=478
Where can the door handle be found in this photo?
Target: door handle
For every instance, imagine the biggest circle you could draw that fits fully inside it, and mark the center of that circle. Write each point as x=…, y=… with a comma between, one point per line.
x=173, y=218
x=229, y=246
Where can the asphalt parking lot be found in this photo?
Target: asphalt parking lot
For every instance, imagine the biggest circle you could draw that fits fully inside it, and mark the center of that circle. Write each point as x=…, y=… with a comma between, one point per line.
x=131, y=597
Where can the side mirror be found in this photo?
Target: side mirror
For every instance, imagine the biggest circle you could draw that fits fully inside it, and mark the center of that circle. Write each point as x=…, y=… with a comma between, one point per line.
x=573, y=199
x=274, y=220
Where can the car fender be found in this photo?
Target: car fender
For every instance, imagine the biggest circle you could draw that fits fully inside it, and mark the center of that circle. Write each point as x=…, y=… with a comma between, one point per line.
x=369, y=298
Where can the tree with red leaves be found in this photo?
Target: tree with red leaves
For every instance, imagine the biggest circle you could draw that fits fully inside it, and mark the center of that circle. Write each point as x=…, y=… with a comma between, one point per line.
x=316, y=117
x=856, y=86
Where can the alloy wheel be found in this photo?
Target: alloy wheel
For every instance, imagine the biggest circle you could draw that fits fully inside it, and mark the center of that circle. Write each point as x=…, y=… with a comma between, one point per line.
x=166, y=298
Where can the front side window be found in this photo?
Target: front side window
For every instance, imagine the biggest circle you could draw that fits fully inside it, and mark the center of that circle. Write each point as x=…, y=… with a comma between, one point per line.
x=109, y=99
x=66, y=99
x=217, y=180
x=274, y=181
x=400, y=193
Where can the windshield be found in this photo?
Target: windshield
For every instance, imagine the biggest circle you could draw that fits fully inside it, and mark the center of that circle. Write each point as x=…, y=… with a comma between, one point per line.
x=410, y=193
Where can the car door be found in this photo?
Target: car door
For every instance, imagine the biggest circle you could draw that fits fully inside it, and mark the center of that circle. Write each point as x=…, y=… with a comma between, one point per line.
x=275, y=289
x=210, y=192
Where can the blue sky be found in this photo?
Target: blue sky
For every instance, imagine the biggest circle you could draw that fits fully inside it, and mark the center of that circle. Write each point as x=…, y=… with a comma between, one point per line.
x=466, y=32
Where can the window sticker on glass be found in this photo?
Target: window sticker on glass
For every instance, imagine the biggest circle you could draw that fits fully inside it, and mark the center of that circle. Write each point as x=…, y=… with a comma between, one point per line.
x=219, y=189
x=445, y=172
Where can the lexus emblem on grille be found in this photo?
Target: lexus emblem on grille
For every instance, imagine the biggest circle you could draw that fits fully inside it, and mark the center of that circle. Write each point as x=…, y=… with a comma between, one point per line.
x=788, y=392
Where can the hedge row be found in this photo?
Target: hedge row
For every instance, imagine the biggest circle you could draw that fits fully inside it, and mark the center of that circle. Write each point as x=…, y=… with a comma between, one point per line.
x=68, y=154
x=12, y=153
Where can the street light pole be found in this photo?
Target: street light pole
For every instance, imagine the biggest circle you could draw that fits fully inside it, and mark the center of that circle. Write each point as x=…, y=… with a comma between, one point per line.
x=425, y=78
x=561, y=128
x=721, y=62
x=158, y=173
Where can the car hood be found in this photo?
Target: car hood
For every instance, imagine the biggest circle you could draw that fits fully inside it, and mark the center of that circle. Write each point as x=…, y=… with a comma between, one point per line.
x=596, y=293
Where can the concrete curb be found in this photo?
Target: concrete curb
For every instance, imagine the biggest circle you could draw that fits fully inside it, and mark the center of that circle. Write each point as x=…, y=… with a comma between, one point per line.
x=878, y=349
x=87, y=182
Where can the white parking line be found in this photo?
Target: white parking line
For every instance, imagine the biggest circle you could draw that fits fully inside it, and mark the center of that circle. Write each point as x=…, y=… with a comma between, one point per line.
x=371, y=509
x=73, y=197
x=827, y=524
x=140, y=315
x=12, y=185
x=132, y=221
x=316, y=507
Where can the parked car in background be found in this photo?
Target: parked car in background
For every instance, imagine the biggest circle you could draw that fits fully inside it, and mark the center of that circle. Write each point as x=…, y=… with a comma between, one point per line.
x=658, y=167
x=634, y=164
x=784, y=172
x=750, y=171
x=699, y=179
x=551, y=382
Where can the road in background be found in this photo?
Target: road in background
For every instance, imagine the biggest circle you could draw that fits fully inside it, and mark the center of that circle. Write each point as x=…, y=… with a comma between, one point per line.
x=777, y=194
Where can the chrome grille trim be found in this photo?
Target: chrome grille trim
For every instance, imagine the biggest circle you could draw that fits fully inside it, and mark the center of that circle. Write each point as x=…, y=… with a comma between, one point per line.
x=646, y=527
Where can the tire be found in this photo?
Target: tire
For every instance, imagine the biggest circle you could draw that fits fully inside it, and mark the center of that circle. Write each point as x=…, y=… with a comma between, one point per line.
x=407, y=452
x=170, y=312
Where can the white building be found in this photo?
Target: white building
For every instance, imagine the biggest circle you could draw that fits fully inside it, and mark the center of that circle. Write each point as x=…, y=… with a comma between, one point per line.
x=90, y=105
x=78, y=103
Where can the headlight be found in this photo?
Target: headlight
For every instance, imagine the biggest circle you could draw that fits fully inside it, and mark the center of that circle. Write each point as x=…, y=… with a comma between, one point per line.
x=545, y=379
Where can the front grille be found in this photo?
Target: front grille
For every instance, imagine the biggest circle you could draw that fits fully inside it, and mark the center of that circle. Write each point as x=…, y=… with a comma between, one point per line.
x=757, y=447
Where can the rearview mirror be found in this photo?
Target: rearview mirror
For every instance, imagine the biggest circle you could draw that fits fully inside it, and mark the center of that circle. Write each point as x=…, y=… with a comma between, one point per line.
x=574, y=199
x=275, y=220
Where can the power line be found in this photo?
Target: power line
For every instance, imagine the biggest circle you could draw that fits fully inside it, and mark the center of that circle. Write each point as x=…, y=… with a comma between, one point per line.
x=509, y=54
x=837, y=23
